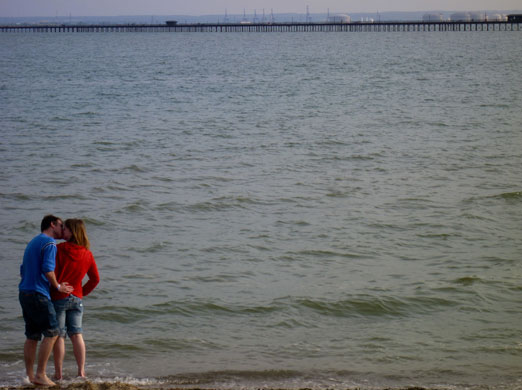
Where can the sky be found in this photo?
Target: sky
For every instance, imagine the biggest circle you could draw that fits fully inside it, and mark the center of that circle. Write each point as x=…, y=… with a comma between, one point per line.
x=26, y=8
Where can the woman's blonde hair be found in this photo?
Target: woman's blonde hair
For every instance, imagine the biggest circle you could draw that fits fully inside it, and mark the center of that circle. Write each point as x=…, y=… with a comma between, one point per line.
x=78, y=232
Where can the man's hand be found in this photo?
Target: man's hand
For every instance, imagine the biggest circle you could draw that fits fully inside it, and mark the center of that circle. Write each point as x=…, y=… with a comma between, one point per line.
x=65, y=288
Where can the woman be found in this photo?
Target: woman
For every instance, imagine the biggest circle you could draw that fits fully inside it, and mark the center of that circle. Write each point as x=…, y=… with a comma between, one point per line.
x=74, y=260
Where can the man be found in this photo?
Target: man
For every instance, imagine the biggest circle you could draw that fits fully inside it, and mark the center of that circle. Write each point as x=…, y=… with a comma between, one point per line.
x=37, y=272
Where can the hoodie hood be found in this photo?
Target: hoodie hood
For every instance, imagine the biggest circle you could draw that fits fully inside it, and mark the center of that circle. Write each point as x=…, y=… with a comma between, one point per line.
x=70, y=251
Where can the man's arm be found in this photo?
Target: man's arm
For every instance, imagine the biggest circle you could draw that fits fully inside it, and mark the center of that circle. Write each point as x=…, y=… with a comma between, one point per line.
x=62, y=287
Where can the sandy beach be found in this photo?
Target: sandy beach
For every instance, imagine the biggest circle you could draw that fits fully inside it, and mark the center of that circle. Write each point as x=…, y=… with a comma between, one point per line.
x=124, y=386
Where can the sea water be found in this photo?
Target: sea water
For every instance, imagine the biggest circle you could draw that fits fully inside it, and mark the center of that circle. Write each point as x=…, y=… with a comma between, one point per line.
x=274, y=209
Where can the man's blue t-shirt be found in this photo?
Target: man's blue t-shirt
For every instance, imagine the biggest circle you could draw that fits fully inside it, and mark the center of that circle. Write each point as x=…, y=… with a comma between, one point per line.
x=39, y=258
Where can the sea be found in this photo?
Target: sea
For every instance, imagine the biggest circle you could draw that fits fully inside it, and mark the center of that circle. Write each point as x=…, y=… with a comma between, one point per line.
x=274, y=210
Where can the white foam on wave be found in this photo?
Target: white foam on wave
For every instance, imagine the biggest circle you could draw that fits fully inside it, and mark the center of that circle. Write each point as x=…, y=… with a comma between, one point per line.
x=26, y=381
x=129, y=380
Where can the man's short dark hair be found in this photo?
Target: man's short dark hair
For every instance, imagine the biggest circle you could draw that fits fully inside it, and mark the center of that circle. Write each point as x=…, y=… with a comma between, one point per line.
x=47, y=220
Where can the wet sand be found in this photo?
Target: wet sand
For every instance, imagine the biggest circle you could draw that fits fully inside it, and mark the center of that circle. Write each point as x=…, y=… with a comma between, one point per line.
x=87, y=385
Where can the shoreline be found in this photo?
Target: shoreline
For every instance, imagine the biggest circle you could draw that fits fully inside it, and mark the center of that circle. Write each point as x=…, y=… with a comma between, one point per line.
x=122, y=385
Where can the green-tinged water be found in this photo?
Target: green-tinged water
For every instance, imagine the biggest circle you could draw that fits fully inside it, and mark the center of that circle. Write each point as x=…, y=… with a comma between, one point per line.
x=289, y=210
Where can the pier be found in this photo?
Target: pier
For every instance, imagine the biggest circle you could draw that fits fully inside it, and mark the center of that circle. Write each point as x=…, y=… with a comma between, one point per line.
x=272, y=27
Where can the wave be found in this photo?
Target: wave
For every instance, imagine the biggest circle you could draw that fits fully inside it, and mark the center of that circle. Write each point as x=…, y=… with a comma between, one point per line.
x=235, y=377
x=121, y=314
x=82, y=165
x=16, y=196
x=507, y=196
x=374, y=306
x=517, y=195
x=93, y=221
x=191, y=308
x=357, y=306
x=152, y=248
x=223, y=203
x=133, y=168
x=135, y=207
x=268, y=380
x=169, y=206
x=60, y=119
x=467, y=280
x=64, y=197
x=317, y=253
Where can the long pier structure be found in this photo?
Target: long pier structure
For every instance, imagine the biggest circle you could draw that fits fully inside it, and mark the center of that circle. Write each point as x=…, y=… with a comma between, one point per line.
x=272, y=27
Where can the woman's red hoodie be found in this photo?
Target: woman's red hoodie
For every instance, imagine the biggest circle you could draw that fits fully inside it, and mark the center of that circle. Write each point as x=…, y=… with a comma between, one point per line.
x=73, y=262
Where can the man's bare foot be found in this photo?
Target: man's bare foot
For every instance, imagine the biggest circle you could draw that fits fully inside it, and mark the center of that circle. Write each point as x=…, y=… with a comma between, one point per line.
x=43, y=380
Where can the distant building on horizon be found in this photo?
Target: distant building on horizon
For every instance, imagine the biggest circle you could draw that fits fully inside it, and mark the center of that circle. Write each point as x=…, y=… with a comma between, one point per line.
x=341, y=18
x=460, y=17
x=432, y=17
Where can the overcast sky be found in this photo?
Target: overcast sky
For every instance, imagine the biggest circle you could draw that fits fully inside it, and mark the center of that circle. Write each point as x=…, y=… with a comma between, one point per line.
x=22, y=8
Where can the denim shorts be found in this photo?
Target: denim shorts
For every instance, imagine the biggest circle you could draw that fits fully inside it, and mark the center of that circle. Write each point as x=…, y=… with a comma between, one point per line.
x=69, y=313
x=39, y=315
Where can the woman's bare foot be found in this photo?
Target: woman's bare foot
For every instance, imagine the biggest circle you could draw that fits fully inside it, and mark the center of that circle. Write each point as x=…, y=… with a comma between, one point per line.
x=27, y=381
x=43, y=380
